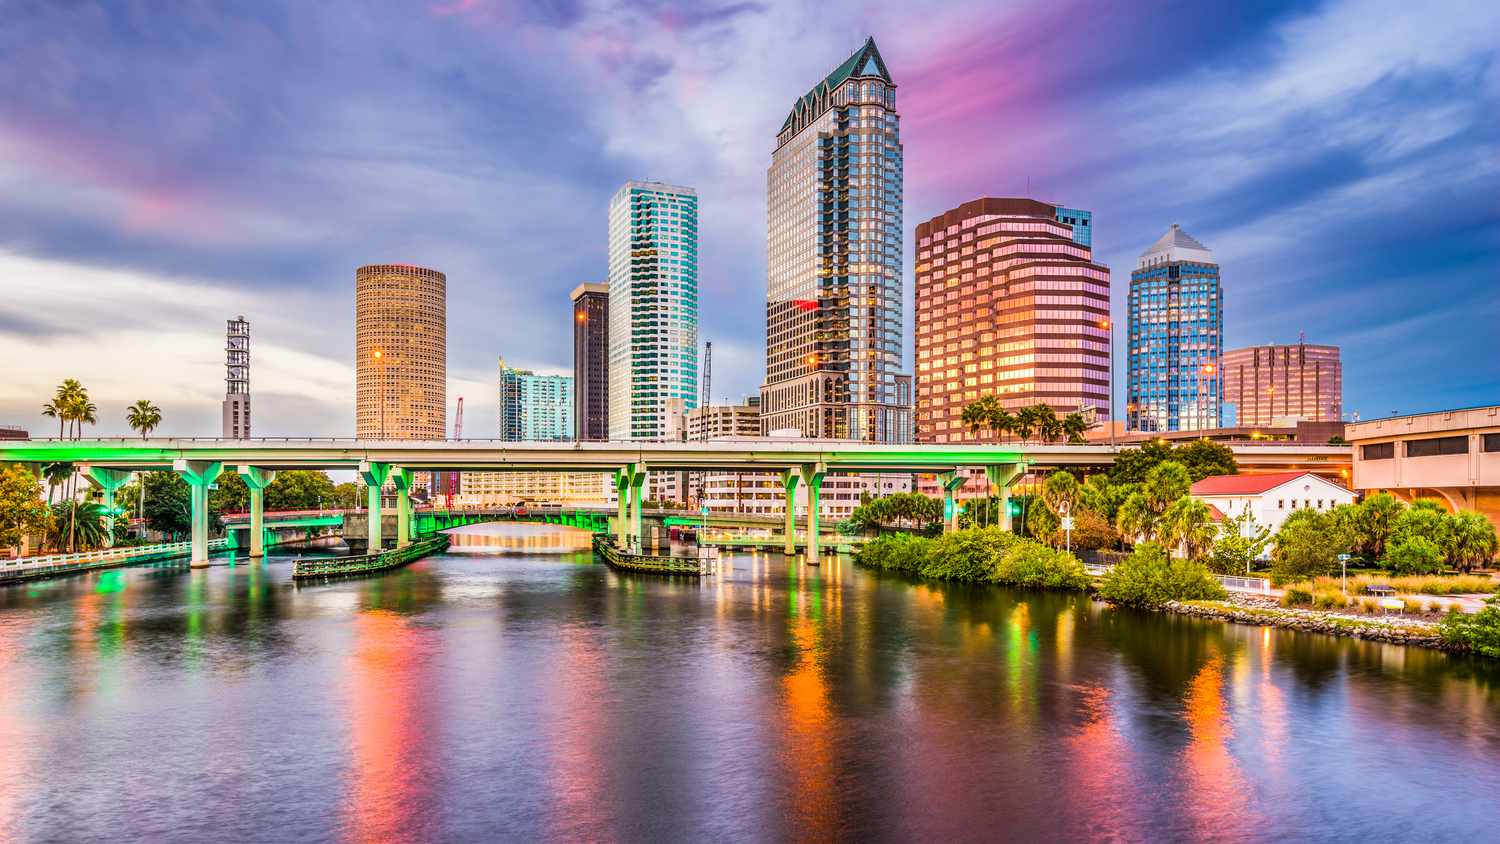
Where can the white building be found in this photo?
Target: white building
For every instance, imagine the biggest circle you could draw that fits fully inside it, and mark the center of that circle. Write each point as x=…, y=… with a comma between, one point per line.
x=1270, y=498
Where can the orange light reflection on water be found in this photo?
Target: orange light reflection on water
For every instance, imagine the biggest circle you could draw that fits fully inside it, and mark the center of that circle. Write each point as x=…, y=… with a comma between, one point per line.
x=580, y=752
x=807, y=754
x=1216, y=792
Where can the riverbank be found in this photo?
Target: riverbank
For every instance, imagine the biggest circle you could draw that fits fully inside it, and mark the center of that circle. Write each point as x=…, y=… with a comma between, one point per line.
x=1251, y=609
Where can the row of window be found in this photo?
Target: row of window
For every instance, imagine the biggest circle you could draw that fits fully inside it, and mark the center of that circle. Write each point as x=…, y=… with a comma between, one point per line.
x=1430, y=447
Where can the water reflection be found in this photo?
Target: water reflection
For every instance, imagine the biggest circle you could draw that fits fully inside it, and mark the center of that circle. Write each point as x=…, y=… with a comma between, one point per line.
x=518, y=538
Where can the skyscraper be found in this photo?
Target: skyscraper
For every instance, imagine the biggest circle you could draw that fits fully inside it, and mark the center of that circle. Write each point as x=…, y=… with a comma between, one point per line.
x=1271, y=382
x=400, y=352
x=591, y=361
x=1176, y=337
x=236, y=408
x=535, y=407
x=1010, y=303
x=653, y=306
x=833, y=287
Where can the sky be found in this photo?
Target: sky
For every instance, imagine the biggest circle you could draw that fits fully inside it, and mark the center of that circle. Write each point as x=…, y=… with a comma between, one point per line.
x=164, y=167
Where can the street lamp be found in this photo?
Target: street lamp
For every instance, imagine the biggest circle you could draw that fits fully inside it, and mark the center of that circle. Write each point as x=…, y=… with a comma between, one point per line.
x=1208, y=369
x=378, y=357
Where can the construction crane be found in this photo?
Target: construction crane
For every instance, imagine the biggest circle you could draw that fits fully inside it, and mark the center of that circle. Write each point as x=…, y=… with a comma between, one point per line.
x=708, y=372
x=458, y=420
x=450, y=479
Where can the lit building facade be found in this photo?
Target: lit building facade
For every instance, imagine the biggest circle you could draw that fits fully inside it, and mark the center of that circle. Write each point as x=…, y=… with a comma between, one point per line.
x=591, y=361
x=236, y=408
x=501, y=489
x=1010, y=303
x=1277, y=382
x=535, y=407
x=400, y=352
x=1176, y=337
x=653, y=306
x=834, y=264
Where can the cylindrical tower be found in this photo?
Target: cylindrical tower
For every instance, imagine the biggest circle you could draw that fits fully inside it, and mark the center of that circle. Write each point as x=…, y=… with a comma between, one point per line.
x=400, y=352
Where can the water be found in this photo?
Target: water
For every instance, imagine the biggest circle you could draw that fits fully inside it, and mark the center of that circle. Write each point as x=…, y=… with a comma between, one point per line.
x=541, y=697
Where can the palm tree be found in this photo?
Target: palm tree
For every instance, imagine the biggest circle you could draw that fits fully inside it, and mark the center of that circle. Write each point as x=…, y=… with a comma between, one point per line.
x=973, y=416
x=1186, y=524
x=1074, y=426
x=1469, y=541
x=84, y=413
x=1048, y=425
x=1025, y=424
x=54, y=410
x=1001, y=420
x=143, y=416
x=57, y=474
x=86, y=524
x=1135, y=520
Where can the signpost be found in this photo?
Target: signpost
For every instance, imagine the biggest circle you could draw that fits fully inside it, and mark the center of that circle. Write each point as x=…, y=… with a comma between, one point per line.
x=1344, y=564
x=1067, y=524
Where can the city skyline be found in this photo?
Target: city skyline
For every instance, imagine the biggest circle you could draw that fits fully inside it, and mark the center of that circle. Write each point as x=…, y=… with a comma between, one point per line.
x=151, y=238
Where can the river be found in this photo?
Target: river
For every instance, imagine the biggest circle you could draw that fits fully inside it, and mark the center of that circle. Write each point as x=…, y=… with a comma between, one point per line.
x=534, y=695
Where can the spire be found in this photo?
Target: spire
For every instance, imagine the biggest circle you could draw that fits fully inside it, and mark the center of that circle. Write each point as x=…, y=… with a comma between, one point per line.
x=866, y=62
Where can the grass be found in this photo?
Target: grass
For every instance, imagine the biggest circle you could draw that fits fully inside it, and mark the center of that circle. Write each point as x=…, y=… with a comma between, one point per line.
x=1428, y=584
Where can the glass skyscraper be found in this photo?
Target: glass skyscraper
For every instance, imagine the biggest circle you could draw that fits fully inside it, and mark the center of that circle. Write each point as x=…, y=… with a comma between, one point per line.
x=833, y=287
x=1176, y=342
x=535, y=407
x=653, y=306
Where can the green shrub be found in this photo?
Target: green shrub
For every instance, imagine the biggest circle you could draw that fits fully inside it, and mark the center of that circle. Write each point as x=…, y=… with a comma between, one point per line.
x=1414, y=554
x=1149, y=578
x=1296, y=596
x=970, y=555
x=1479, y=632
x=1307, y=546
x=1031, y=564
x=895, y=552
x=1329, y=600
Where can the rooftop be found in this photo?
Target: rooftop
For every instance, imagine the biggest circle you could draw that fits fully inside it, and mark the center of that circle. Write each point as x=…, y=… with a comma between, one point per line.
x=866, y=61
x=1175, y=245
x=1248, y=484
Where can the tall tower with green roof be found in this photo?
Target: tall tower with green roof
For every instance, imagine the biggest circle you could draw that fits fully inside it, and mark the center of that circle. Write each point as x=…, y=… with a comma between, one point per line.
x=833, y=286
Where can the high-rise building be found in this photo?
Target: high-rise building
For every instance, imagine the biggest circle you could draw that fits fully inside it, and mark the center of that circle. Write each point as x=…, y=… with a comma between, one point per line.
x=535, y=407
x=1176, y=337
x=236, y=409
x=1010, y=303
x=1274, y=382
x=653, y=306
x=591, y=361
x=400, y=352
x=724, y=420
x=833, y=286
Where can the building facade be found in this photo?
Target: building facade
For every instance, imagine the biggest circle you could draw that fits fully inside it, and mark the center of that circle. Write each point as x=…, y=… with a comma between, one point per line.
x=1452, y=456
x=1271, y=498
x=590, y=361
x=400, y=352
x=834, y=264
x=653, y=306
x=502, y=489
x=1278, y=382
x=535, y=407
x=1176, y=337
x=1010, y=303
x=236, y=408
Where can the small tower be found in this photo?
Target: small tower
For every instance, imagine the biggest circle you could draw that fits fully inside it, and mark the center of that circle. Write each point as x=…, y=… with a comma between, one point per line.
x=237, y=380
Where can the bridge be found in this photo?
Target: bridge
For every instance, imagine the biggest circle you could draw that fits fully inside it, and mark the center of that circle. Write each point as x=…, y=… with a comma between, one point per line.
x=108, y=464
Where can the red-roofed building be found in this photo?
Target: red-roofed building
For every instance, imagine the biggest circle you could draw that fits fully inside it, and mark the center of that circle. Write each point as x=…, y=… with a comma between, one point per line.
x=1270, y=498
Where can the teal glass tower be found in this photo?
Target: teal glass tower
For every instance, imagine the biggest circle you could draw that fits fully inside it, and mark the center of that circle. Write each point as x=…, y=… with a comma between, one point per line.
x=535, y=407
x=1176, y=342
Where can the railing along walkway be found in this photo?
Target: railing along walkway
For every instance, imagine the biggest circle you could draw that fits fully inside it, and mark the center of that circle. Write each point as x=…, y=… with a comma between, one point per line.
x=309, y=567
x=54, y=564
x=1234, y=583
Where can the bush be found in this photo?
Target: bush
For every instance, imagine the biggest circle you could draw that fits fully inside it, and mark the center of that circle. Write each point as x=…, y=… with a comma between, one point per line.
x=895, y=552
x=1033, y=565
x=1414, y=554
x=1479, y=633
x=1296, y=596
x=1149, y=578
x=1307, y=546
x=1430, y=584
x=967, y=554
x=1329, y=600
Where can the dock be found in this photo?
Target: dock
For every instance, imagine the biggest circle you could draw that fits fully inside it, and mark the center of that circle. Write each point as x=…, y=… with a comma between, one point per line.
x=618, y=558
x=307, y=568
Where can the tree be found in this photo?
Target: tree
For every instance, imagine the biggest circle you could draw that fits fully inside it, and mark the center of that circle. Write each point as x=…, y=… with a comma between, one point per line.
x=1165, y=484
x=1337, y=439
x=1002, y=422
x=1025, y=423
x=55, y=410
x=1373, y=525
x=1149, y=577
x=1424, y=518
x=1205, y=458
x=974, y=417
x=22, y=511
x=345, y=496
x=1092, y=530
x=1048, y=426
x=1103, y=497
x=1061, y=491
x=1042, y=523
x=1074, y=426
x=1470, y=540
x=1307, y=546
x=1187, y=524
x=168, y=505
x=1133, y=464
x=299, y=489
x=143, y=416
x=1479, y=632
x=1415, y=554
x=229, y=495
x=78, y=523
x=1241, y=542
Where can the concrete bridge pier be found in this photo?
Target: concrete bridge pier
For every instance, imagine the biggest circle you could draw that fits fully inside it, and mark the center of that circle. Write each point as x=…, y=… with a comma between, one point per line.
x=108, y=481
x=951, y=482
x=402, y=478
x=1000, y=478
x=374, y=475
x=622, y=497
x=199, y=474
x=257, y=480
x=812, y=476
x=789, y=485
x=637, y=486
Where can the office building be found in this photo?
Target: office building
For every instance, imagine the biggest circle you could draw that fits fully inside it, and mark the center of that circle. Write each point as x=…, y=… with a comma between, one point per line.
x=1176, y=337
x=236, y=407
x=591, y=361
x=653, y=306
x=400, y=352
x=503, y=489
x=834, y=263
x=535, y=407
x=1300, y=381
x=1010, y=303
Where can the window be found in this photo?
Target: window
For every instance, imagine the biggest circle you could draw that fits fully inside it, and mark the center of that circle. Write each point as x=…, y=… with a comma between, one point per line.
x=1491, y=442
x=1437, y=446
x=1281, y=504
x=1378, y=451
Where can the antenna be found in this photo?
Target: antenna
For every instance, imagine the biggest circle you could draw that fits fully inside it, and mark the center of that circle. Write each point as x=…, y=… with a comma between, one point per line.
x=708, y=373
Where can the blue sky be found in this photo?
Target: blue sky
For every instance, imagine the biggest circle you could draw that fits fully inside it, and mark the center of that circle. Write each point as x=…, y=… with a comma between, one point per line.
x=166, y=166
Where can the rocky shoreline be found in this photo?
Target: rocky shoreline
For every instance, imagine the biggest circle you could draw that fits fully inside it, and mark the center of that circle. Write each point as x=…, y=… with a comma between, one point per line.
x=1249, y=609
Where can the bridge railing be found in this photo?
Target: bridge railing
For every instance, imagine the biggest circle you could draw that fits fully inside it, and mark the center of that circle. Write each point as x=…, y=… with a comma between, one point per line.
x=29, y=565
